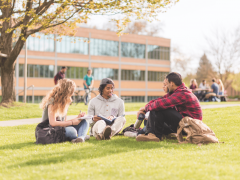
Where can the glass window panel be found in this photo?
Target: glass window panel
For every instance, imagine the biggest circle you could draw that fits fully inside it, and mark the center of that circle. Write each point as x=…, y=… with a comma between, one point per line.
x=51, y=71
x=37, y=71
x=42, y=69
x=21, y=70
x=30, y=70
x=46, y=71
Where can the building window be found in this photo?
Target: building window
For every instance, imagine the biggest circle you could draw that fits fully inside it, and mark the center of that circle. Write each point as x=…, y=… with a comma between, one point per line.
x=72, y=45
x=37, y=99
x=158, y=52
x=133, y=98
x=100, y=47
x=152, y=97
x=41, y=42
x=156, y=76
x=133, y=50
x=37, y=71
x=100, y=73
x=132, y=75
x=74, y=72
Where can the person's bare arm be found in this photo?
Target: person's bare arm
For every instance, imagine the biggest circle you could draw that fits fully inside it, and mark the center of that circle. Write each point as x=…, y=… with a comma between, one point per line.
x=53, y=122
x=91, y=84
x=141, y=111
x=84, y=82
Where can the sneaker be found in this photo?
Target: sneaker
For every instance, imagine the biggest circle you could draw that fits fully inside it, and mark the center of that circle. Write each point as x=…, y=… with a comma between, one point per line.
x=100, y=137
x=130, y=134
x=87, y=137
x=107, y=133
x=149, y=137
x=78, y=140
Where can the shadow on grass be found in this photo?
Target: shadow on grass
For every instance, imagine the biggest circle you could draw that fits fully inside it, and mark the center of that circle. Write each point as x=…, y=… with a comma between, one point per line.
x=17, y=146
x=100, y=149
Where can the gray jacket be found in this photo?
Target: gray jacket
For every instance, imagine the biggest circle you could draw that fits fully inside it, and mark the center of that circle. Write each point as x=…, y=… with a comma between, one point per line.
x=113, y=106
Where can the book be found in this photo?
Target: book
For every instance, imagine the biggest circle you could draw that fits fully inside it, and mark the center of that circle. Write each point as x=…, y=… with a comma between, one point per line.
x=108, y=122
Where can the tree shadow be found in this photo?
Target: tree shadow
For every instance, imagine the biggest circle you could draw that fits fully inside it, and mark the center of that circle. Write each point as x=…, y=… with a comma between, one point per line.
x=98, y=150
x=17, y=145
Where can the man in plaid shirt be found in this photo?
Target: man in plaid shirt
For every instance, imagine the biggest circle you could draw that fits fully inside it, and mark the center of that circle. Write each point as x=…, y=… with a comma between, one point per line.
x=167, y=111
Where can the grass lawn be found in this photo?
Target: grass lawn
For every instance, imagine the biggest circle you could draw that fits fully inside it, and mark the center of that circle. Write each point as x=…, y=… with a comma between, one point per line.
x=122, y=157
x=26, y=111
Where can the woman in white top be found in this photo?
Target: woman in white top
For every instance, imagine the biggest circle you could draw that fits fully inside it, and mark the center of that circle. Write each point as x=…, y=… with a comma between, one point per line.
x=55, y=106
x=221, y=87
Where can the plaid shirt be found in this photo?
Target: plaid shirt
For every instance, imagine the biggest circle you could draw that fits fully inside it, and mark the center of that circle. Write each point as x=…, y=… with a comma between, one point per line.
x=185, y=102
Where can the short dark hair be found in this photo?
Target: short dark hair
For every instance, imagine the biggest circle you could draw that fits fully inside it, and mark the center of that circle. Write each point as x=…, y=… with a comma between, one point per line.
x=213, y=80
x=203, y=80
x=63, y=67
x=89, y=69
x=101, y=88
x=174, y=77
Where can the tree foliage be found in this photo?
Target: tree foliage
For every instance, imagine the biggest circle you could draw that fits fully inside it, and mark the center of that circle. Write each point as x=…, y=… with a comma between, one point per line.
x=224, y=48
x=205, y=70
x=21, y=18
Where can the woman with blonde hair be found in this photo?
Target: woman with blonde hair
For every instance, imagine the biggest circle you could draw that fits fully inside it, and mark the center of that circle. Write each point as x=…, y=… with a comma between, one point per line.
x=193, y=84
x=55, y=106
x=221, y=87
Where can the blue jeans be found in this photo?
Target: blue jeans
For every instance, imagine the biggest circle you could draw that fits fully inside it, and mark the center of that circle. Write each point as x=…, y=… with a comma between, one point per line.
x=80, y=130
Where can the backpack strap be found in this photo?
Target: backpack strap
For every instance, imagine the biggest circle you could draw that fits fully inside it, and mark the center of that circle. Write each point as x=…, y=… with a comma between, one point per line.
x=179, y=134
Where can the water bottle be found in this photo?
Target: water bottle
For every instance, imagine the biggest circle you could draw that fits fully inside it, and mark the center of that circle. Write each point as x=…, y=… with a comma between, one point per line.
x=139, y=121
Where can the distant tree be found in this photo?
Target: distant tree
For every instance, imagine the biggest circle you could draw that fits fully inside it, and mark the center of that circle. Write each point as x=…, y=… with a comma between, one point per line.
x=21, y=18
x=224, y=48
x=236, y=81
x=205, y=70
x=180, y=62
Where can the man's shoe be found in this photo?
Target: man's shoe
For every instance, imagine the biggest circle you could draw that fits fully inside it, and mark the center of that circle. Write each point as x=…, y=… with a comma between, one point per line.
x=78, y=140
x=100, y=137
x=149, y=137
x=107, y=133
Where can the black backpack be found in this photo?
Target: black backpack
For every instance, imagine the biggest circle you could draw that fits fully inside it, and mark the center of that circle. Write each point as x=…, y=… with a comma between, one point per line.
x=131, y=128
x=46, y=134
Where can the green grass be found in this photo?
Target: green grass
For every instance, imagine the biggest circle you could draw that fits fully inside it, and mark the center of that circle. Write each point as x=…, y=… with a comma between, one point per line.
x=27, y=111
x=122, y=157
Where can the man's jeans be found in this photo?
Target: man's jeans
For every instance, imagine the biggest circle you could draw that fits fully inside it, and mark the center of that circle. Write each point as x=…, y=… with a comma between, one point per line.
x=80, y=130
x=163, y=122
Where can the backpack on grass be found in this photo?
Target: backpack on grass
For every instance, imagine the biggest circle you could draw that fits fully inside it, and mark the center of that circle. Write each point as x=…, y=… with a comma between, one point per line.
x=46, y=134
x=197, y=132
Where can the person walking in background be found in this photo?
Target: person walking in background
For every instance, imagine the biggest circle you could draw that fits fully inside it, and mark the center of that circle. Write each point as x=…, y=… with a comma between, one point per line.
x=55, y=106
x=221, y=87
x=88, y=82
x=60, y=75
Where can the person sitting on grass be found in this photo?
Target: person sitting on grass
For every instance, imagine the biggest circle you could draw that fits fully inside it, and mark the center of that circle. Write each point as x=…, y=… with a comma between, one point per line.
x=55, y=106
x=170, y=109
x=143, y=131
x=107, y=105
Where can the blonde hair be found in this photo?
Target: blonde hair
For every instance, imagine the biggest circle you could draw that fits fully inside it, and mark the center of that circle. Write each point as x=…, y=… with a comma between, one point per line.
x=60, y=95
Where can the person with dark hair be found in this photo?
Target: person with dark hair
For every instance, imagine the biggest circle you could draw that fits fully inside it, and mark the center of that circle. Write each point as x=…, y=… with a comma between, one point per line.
x=167, y=111
x=88, y=83
x=60, y=75
x=108, y=105
x=215, y=89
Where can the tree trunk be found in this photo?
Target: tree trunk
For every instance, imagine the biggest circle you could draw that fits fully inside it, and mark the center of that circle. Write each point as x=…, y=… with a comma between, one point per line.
x=8, y=85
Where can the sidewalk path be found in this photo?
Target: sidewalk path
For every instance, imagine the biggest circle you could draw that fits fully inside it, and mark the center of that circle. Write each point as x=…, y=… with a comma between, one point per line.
x=37, y=120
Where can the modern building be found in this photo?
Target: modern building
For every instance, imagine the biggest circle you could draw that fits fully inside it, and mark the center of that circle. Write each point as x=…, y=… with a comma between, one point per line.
x=138, y=64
